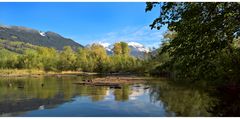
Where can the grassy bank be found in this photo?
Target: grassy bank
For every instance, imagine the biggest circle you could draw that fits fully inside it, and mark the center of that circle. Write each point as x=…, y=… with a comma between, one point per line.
x=37, y=72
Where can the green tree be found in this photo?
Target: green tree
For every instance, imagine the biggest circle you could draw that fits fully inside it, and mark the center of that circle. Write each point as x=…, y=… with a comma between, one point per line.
x=8, y=59
x=49, y=58
x=99, y=53
x=67, y=59
x=204, y=32
x=117, y=49
x=121, y=48
x=82, y=60
x=121, y=61
x=125, y=48
x=30, y=60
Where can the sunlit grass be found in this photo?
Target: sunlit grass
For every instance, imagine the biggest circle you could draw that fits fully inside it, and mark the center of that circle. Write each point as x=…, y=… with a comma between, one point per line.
x=23, y=72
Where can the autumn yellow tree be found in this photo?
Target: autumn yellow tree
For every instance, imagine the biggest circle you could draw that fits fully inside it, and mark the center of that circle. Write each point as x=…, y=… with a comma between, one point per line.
x=67, y=59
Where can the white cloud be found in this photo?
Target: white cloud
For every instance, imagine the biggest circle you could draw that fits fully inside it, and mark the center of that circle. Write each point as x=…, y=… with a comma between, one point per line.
x=143, y=35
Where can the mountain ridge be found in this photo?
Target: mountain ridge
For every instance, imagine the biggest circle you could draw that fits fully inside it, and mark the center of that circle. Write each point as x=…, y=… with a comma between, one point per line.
x=36, y=37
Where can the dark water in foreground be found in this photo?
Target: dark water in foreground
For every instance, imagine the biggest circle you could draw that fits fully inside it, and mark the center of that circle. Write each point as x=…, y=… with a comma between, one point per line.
x=51, y=96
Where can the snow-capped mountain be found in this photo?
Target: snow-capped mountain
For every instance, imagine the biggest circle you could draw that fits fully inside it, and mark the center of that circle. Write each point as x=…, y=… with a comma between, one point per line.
x=138, y=46
x=42, y=33
x=137, y=49
x=107, y=46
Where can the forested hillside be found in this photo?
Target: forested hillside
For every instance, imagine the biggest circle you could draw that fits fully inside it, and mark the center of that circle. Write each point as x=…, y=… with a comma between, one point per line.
x=35, y=37
x=16, y=46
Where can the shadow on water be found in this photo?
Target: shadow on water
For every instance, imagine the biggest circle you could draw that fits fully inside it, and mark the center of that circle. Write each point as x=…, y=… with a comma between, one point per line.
x=227, y=100
x=198, y=98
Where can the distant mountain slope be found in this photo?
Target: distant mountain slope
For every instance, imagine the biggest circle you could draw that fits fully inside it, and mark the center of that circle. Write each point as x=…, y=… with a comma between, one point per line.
x=35, y=37
x=16, y=46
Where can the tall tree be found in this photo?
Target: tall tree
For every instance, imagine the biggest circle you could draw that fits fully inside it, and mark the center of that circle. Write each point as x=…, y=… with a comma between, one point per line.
x=121, y=48
x=99, y=53
x=117, y=49
x=67, y=59
x=125, y=48
x=204, y=31
x=82, y=60
x=30, y=60
x=49, y=57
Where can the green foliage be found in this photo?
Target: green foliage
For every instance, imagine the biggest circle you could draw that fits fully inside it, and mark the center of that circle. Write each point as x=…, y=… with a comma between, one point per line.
x=49, y=58
x=182, y=98
x=92, y=59
x=67, y=59
x=41, y=58
x=8, y=59
x=31, y=36
x=99, y=54
x=82, y=59
x=202, y=36
x=16, y=47
x=121, y=61
x=30, y=60
x=121, y=48
x=95, y=59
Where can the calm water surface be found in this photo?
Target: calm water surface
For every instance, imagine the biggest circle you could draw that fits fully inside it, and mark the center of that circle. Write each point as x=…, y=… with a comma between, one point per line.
x=51, y=96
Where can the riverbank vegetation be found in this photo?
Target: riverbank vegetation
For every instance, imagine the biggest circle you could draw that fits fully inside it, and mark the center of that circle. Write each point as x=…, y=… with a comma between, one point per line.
x=90, y=59
x=202, y=41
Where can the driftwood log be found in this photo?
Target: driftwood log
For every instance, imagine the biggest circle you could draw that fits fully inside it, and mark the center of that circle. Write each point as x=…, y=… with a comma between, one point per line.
x=112, y=82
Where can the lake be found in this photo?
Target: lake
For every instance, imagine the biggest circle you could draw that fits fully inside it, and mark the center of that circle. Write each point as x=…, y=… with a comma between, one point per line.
x=59, y=96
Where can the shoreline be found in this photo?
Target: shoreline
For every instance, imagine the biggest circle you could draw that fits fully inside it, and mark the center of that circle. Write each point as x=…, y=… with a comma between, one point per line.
x=40, y=73
x=18, y=73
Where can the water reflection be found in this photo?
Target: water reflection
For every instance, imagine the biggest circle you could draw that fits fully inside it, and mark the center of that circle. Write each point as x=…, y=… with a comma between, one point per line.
x=227, y=100
x=53, y=96
x=18, y=95
x=183, y=100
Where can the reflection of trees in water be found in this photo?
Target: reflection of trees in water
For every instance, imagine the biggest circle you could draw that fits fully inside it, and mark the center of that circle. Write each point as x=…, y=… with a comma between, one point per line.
x=47, y=89
x=19, y=95
x=122, y=94
x=227, y=101
x=26, y=94
x=18, y=89
x=180, y=99
x=68, y=89
x=98, y=93
x=183, y=100
x=29, y=93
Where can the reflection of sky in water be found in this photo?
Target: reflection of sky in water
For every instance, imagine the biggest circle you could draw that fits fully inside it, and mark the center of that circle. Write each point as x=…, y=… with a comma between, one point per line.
x=139, y=104
x=62, y=97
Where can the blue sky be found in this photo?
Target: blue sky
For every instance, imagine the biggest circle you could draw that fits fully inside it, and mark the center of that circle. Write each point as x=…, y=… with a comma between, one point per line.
x=87, y=22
